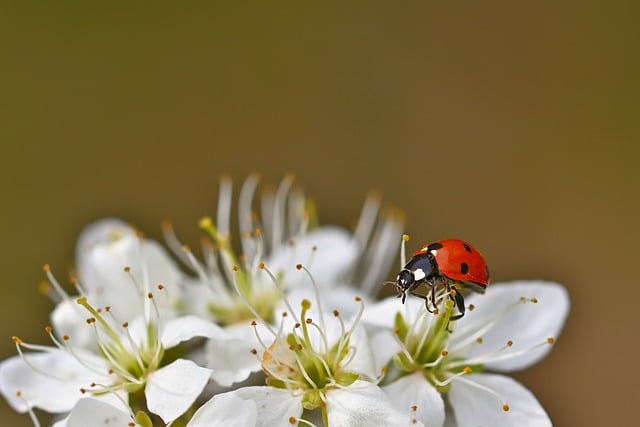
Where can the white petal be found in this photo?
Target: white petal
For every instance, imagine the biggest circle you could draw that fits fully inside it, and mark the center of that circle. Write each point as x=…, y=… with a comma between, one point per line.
x=101, y=232
x=185, y=328
x=362, y=361
x=69, y=318
x=105, y=249
x=383, y=346
x=172, y=389
x=339, y=297
x=415, y=390
x=526, y=324
x=364, y=404
x=229, y=355
x=225, y=410
x=382, y=314
x=274, y=406
x=473, y=406
x=54, y=395
x=196, y=297
x=328, y=252
x=94, y=413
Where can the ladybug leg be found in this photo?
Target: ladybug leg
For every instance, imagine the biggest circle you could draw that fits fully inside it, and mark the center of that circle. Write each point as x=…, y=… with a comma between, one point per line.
x=415, y=294
x=459, y=301
x=429, y=297
x=425, y=298
x=433, y=300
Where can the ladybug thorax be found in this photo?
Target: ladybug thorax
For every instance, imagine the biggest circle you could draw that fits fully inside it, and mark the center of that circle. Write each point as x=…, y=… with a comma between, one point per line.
x=422, y=266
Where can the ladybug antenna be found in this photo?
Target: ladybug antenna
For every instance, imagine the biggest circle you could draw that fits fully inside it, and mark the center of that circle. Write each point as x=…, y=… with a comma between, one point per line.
x=388, y=282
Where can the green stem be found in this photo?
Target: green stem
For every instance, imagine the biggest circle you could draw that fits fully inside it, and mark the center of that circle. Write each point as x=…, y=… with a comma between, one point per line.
x=325, y=417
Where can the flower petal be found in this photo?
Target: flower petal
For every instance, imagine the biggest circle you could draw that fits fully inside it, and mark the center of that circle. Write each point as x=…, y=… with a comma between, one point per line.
x=362, y=359
x=225, y=410
x=328, y=252
x=229, y=355
x=473, y=406
x=185, y=328
x=364, y=404
x=413, y=390
x=527, y=324
x=274, y=406
x=339, y=297
x=58, y=390
x=172, y=389
x=382, y=314
x=383, y=347
x=104, y=249
x=92, y=412
x=69, y=318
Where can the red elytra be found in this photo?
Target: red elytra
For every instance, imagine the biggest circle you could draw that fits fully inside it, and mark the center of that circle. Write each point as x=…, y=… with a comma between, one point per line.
x=460, y=262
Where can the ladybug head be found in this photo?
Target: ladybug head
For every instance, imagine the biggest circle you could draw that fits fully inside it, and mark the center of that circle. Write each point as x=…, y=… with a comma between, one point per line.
x=404, y=282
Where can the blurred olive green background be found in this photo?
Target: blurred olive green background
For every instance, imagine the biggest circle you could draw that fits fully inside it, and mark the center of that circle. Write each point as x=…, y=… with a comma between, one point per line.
x=513, y=126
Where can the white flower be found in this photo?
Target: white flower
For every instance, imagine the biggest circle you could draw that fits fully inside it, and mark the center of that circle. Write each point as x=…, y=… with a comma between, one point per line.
x=116, y=266
x=128, y=359
x=233, y=290
x=284, y=235
x=91, y=412
x=511, y=327
x=314, y=363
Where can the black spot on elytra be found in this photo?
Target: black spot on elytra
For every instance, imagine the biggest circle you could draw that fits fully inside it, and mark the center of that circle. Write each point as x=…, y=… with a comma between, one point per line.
x=467, y=247
x=464, y=268
x=434, y=247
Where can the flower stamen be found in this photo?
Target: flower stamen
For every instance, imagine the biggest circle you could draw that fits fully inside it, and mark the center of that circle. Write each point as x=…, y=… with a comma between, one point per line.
x=30, y=411
x=505, y=405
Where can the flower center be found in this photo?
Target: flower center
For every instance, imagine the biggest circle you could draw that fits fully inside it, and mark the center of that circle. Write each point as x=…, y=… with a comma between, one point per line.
x=425, y=345
x=130, y=361
x=305, y=361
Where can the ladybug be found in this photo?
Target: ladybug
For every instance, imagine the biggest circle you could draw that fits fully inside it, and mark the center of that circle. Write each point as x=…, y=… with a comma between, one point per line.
x=447, y=267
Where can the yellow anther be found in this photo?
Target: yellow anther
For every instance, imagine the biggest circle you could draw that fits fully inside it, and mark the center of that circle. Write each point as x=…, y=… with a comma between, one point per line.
x=44, y=287
x=550, y=340
x=405, y=237
x=205, y=222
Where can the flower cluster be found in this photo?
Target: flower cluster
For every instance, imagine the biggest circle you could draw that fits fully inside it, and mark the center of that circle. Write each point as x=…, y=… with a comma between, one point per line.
x=282, y=326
